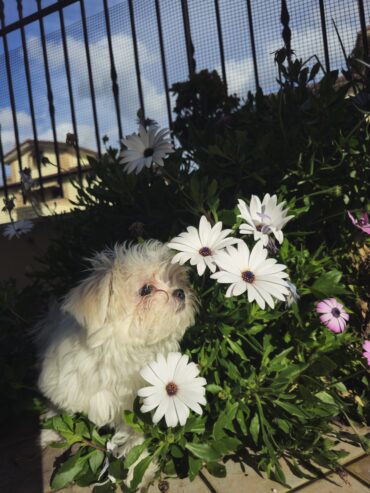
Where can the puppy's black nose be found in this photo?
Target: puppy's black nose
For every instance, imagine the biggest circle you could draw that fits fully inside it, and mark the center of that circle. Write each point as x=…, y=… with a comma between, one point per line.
x=179, y=294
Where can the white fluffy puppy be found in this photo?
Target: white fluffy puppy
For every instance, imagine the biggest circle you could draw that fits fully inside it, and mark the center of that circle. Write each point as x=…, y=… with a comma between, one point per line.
x=133, y=305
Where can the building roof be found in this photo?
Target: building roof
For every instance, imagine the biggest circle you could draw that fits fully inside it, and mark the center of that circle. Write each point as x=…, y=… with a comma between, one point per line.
x=30, y=143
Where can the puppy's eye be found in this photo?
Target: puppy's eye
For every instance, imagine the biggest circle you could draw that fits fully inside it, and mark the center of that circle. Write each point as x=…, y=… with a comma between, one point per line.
x=146, y=289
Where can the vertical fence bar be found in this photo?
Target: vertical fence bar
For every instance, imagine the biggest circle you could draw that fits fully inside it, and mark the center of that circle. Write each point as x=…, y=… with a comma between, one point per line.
x=3, y=172
x=324, y=35
x=113, y=71
x=89, y=69
x=188, y=41
x=136, y=55
x=50, y=98
x=11, y=91
x=220, y=42
x=70, y=93
x=365, y=43
x=287, y=34
x=30, y=99
x=163, y=60
x=253, y=43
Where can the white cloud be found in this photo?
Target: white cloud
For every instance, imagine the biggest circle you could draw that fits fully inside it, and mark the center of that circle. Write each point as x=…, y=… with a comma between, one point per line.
x=86, y=136
x=306, y=40
x=240, y=76
x=154, y=98
x=7, y=128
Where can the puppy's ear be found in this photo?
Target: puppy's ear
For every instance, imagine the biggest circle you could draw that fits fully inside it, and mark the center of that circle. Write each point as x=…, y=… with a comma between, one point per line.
x=88, y=303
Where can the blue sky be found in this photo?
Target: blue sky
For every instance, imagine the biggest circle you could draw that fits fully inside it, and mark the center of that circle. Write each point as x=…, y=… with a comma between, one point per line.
x=305, y=25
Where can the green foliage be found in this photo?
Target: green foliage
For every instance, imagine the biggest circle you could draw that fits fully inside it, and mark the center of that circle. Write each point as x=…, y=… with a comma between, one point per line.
x=276, y=379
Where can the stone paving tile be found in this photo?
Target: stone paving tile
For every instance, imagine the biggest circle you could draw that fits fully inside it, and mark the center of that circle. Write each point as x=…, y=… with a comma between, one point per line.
x=242, y=477
x=350, y=444
x=361, y=469
x=49, y=456
x=334, y=484
x=182, y=486
x=24, y=467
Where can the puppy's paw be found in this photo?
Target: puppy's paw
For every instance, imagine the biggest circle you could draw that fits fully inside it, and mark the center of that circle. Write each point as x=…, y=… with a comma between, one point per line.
x=103, y=408
x=118, y=444
x=47, y=437
x=121, y=443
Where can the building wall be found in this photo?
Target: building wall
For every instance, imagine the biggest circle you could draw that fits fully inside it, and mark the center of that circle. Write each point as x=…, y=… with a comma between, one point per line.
x=18, y=256
x=53, y=202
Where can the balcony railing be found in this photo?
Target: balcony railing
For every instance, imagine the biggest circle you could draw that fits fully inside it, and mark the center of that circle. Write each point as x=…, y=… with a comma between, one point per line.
x=177, y=36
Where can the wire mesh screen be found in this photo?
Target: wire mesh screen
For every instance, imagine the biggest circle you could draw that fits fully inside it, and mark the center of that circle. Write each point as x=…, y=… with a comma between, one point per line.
x=147, y=65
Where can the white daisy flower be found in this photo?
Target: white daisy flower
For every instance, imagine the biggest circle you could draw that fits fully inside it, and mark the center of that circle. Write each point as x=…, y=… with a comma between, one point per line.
x=175, y=389
x=261, y=277
x=26, y=178
x=17, y=229
x=263, y=218
x=150, y=146
x=293, y=295
x=201, y=245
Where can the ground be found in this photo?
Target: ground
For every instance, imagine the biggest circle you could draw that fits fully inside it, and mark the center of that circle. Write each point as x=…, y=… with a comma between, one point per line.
x=25, y=467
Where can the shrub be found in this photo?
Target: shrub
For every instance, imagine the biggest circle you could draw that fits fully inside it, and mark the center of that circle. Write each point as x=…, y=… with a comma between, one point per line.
x=276, y=379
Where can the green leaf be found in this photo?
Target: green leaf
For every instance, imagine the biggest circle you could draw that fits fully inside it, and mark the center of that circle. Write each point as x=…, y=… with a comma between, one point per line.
x=225, y=445
x=81, y=429
x=292, y=372
x=195, y=465
x=322, y=366
x=237, y=349
x=86, y=476
x=134, y=454
x=131, y=420
x=277, y=362
x=176, y=451
x=255, y=428
x=107, y=487
x=68, y=471
x=139, y=471
x=195, y=424
x=213, y=388
x=292, y=409
x=314, y=70
x=326, y=397
x=116, y=468
x=328, y=284
x=96, y=460
x=64, y=426
x=203, y=451
x=282, y=424
x=68, y=420
x=216, y=469
x=224, y=421
x=99, y=440
x=212, y=188
x=227, y=217
x=241, y=421
x=59, y=444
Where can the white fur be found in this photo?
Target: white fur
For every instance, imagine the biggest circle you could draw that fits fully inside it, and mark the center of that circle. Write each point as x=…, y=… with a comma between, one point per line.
x=93, y=345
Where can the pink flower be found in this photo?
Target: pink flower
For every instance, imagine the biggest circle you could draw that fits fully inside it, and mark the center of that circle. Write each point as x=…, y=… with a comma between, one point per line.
x=333, y=315
x=366, y=353
x=362, y=223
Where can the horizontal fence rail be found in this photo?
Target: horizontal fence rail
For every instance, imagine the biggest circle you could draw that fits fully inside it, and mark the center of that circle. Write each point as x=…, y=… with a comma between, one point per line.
x=69, y=89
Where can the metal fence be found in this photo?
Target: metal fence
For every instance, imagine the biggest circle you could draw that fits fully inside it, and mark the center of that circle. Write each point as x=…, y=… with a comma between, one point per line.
x=73, y=71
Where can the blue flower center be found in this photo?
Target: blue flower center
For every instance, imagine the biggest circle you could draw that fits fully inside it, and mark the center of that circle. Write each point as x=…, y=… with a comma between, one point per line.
x=148, y=152
x=335, y=312
x=248, y=276
x=205, y=252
